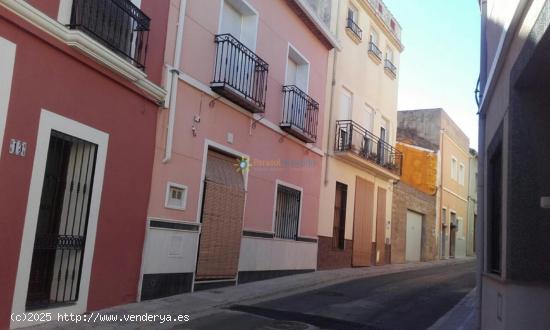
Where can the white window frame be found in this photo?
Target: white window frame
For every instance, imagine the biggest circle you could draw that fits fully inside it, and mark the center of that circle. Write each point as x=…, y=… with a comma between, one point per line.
x=7, y=63
x=461, y=174
x=390, y=55
x=167, y=205
x=350, y=110
x=454, y=168
x=374, y=33
x=370, y=112
x=51, y=121
x=295, y=187
x=293, y=54
x=353, y=8
x=251, y=17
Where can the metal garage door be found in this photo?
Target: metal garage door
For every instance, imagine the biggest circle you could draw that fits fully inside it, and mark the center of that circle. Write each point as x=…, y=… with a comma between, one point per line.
x=414, y=236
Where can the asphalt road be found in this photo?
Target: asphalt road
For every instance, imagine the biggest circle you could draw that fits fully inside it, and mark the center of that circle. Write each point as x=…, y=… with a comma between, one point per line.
x=409, y=300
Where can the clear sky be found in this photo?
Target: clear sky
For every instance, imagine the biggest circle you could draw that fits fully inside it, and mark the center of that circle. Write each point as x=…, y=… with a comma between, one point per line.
x=440, y=64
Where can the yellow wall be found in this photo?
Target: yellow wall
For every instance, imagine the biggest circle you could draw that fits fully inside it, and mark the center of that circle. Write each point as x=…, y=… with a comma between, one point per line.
x=454, y=195
x=419, y=168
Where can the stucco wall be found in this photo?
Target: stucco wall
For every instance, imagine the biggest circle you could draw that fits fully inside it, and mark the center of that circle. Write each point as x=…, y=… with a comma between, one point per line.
x=406, y=198
x=60, y=80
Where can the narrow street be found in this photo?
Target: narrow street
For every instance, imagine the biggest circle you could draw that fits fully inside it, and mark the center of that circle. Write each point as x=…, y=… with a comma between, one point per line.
x=407, y=300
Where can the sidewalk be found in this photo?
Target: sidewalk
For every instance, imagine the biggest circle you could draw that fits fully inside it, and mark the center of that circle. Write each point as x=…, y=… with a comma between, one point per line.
x=203, y=303
x=463, y=316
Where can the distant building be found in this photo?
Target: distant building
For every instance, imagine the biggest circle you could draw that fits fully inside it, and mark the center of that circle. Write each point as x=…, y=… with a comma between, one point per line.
x=514, y=153
x=413, y=236
x=434, y=132
x=361, y=163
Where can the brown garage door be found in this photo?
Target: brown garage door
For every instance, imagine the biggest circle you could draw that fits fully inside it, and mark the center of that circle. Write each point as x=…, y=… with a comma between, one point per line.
x=222, y=219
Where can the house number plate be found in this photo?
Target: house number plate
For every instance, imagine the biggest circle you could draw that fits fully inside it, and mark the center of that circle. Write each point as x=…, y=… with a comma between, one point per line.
x=18, y=147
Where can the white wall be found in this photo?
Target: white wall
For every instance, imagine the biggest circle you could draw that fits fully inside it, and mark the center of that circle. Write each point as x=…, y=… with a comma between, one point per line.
x=275, y=254
x=169, y=251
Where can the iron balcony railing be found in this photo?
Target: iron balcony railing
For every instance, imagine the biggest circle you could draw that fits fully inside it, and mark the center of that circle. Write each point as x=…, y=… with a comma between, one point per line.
x=117, y=24
x=352, y=137
x=390, y=67
x=300, y=114
x=353, y=27
x=375, y=50
x=239, y=74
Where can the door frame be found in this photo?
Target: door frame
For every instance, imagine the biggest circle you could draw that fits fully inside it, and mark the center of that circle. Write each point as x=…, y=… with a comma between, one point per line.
x=51, y=121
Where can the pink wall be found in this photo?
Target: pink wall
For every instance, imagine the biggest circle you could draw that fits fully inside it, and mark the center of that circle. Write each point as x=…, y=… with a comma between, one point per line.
x=262, y=143
x=55, y=77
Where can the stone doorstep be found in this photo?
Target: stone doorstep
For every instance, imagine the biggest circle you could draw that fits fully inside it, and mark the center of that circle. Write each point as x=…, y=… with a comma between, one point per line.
x=204, y=303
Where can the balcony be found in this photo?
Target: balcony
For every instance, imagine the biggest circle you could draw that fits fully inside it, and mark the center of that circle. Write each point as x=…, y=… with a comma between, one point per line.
x=355, y=30
x=390, y=68
x=375, y=51
x=239, y=74
x=117, y=24
x=357, y=145
x=300, y=114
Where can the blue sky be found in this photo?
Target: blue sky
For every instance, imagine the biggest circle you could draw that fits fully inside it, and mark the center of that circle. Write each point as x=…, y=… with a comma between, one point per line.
x=440, y=64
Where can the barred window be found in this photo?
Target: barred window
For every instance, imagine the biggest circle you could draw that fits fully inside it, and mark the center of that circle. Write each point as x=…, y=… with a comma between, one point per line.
x=287, y=212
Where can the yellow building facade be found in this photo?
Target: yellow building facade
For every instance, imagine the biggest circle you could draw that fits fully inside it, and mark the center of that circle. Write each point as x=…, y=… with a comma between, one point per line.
x=361, y=164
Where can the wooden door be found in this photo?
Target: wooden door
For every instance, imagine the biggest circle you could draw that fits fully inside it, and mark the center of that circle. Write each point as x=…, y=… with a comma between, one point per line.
x=362, y=223
x=222, y=219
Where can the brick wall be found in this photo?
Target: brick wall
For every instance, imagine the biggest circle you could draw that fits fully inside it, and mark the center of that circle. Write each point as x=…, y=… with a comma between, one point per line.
x=406, y=198
x=331, y=258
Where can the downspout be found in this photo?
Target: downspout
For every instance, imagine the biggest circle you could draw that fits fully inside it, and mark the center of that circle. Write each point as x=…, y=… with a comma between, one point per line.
x=480, y=232
x=332, y=87
x=174, y=71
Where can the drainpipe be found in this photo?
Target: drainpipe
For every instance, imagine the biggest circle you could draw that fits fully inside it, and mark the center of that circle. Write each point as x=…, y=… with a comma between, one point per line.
x=174, y=71
x=332, y=87
x=480, y=232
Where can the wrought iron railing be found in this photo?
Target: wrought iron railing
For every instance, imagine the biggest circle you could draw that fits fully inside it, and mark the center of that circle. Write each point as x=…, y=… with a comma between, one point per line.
x=352, y=137
x=390, y=66
x=239, y=74
x=117, y=24
x=300, y=113
x=353, y=27
x=375, y=50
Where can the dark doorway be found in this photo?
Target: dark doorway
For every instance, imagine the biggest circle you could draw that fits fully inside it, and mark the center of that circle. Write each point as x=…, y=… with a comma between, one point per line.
x=339, y=225
x=62, y=222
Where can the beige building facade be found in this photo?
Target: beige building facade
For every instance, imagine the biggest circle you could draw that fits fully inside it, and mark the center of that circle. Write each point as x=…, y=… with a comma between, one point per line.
x=360, y=165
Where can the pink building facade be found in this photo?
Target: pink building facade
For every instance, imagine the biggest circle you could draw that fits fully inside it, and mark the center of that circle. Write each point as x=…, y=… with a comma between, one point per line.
x=78, y=114
x=235, y=189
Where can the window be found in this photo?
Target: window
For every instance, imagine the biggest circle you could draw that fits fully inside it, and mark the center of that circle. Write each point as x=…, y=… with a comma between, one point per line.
x=287, y=212
x=454, y=169
x=297, y=70
x=374, y=37
x=346, y=104
x=352, y=23
x=241, y=21
x=389, y=55
x=176, y=196
x=368, y=122
x=461, y=174
x=494, y=225
x=339, y=226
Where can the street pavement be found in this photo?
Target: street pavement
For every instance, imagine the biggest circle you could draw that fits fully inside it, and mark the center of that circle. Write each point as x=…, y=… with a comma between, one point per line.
x=407, y=300
x=396, y=296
